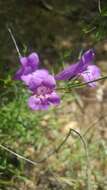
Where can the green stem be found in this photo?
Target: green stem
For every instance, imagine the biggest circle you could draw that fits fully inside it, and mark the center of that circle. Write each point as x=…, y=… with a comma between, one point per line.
x=85, y=83
x=82, y=84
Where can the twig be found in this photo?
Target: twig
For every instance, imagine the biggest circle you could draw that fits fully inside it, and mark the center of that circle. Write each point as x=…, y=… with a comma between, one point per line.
x=82, y=84
x=46, y=5
x=85, y=83
x=18, y=155
x=50, y=153
x=14, y=41
x=49, y=7
x=99, y=6
x=87, y=158
x=63, y=142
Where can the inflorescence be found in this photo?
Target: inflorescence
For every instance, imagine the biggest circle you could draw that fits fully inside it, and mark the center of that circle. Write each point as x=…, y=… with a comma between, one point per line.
x=42, y=85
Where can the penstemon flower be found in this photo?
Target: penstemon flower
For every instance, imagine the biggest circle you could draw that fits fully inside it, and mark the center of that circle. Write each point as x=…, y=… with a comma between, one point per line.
x=42, y=85
x=28, y=65
x=83, y=68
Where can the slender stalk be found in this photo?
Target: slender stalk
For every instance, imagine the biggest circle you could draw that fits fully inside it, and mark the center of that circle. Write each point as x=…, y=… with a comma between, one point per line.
x=82, y=84
x=85, y=83
x=63, y=142
x=14, y=41
x=99, y=6
x=18, y=155
x=87, y=158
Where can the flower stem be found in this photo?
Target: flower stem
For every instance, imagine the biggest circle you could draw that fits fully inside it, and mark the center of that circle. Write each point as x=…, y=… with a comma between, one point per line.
x=14, y=41
x=81, y=84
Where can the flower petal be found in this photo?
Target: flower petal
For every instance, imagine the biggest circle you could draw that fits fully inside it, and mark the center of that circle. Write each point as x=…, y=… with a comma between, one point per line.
x=31, y=81
x=88, y=57
x=41, y=73
x=68, y=72
x=27, y=79
x=49, y=81
x=37, y=78
x=36, y=104
x=33, y=60
x=54, y=99
x=77, y=68
x=19, y=74
x=29, y=65
x=92, y=73
x=23, y=61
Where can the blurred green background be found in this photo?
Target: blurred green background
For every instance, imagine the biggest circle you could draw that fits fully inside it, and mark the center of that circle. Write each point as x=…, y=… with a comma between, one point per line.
x=58, y=31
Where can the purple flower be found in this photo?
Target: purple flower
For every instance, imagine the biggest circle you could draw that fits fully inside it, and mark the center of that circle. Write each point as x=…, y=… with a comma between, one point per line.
x=28, y=65
x=92, y=73
x=42, y=85
x=84, y=67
